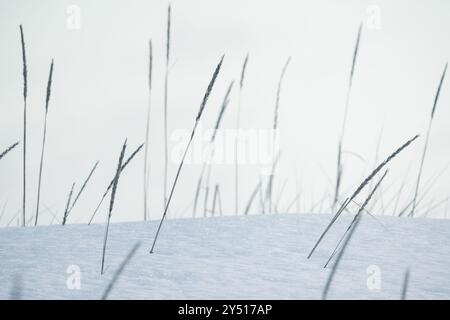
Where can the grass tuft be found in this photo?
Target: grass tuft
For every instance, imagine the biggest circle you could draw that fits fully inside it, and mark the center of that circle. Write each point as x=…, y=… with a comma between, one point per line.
x=351, y=230
x=360, y=187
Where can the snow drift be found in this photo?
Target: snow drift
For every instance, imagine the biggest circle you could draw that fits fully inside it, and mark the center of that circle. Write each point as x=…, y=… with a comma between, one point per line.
x=248, y=257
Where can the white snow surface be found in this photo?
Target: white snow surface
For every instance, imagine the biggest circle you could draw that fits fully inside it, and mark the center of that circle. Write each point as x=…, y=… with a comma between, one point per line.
x=245, y=257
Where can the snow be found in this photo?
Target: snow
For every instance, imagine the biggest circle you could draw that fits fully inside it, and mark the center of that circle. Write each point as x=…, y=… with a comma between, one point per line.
x=245, y=257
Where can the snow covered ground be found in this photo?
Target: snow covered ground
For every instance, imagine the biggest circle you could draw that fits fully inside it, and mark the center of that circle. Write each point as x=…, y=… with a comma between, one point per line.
x=252, y=257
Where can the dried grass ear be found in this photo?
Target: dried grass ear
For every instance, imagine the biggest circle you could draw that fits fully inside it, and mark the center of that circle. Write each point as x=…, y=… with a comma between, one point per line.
x=24, y=144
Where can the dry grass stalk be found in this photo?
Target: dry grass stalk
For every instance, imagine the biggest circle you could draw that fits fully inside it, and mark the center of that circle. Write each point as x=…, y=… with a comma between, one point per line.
x=66, y=211
x=425, y=147
x=252, y=197
x=261, y=196
x=238, y=120
x=147, y=130
x=280, y=194
x=358, y=190
x=112, y=181
x=351, y=231
x=25, y=87
x=166, y=88
x=225, y=103
x=111, y=202
x=269, y=186
x=83, y=187
x=210, y=155
x=5, y=152
x=216, y=199
x=44, y=136
x=360, y=211
x=197, y=120
x=275, y=127
x=339, y=171
x=427, y=187
x=197, y=194
x=339, y=257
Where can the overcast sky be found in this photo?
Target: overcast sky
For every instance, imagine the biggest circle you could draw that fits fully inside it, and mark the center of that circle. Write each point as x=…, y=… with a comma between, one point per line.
x=100, y=96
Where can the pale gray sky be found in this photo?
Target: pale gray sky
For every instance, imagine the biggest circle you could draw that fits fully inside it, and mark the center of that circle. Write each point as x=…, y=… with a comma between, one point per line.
x=99, y=93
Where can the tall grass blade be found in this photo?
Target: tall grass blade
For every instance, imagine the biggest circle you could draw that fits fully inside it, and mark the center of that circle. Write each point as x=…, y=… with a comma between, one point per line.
x=111, y=202
x=216, y=199
x=44, y=136
x=339, y=171
x=147, y=130
x=275, y=127
x=5, y=152
x=269, y=186
x=83, y=187
x=166, y=88
x=350, y=81
x=339, y=257
x=236, y=156
x=225, y=103
x=25, y=87
x=422, y=161
x=197, y=119
x=197, y=194
x=252, y=197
